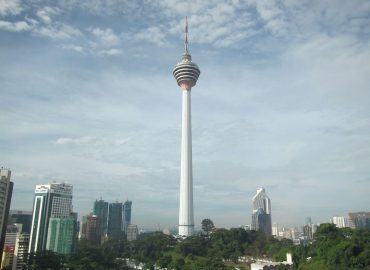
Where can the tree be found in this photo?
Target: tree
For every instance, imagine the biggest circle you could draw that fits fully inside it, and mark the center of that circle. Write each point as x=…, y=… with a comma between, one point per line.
x=165, y=261
x=88, y=256
x=207, y=225
x=150, y=246
x=178, y=264
x=45, y=260
x=192, y=245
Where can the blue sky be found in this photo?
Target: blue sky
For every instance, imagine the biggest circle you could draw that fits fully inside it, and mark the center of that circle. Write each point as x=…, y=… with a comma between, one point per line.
x=283, y=101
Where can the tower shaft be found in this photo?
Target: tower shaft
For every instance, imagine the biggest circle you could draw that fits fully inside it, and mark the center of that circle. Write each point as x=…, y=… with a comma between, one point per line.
x=186, y=74
x=186, y=214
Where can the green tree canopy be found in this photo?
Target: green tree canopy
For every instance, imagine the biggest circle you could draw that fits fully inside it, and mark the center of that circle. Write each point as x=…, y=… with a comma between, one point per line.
x=207, y=225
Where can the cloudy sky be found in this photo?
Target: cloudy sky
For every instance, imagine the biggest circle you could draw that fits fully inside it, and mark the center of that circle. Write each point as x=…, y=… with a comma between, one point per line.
x=283, y=101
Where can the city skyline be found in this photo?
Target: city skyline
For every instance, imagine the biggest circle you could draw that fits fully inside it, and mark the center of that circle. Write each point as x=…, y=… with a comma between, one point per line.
x=88, y=98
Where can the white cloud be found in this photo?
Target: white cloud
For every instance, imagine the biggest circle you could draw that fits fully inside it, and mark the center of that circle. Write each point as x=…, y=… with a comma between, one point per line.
x=73, y=48
x=46, y=13
x=105, y=42
x=31, y=21
x=221, y=31
x=221, y=24
x=175, y=8
x=106, y=37
x=225, y=23
x=154, y=35
x=75, y=141
x=233, y=39
x=121, y=141
x=273, y=16
x=109, y=8
x=10, y=7
x=109, y=52
x=58, y=31
x=268, y=10
x=15, y=26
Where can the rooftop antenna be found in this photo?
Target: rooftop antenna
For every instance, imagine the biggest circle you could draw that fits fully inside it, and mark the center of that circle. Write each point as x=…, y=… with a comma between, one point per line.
x=186, y=35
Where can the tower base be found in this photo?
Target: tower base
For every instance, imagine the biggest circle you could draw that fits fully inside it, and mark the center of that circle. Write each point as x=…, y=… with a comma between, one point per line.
x=186, y=230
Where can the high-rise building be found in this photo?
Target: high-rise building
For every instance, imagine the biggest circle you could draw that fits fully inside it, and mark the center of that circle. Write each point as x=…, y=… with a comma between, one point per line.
x=91, y=229
x=307, y=232
x=74, y=216
x=275, y=229
x=51, y=201
x=261, y=215
x=61, y=235
x=132, y=232
x=186, y=73
x=115, y=220
x=261, y=221
x=21, y=251
x=308, y=221
x=101, y=211
x=360, y=220
x=7, y=257
x=285, y=233
x=340, y=222
x=295, y=234
x=126, y=214
x=12, y=232
x=21, y=217
x=6, y=191
x=261, y=200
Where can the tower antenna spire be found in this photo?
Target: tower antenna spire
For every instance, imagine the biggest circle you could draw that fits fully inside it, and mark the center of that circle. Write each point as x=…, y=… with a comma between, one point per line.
x=186, y=36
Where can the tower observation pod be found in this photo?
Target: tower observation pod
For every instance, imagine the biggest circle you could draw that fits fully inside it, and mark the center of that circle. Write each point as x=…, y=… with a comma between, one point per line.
x=186, y=74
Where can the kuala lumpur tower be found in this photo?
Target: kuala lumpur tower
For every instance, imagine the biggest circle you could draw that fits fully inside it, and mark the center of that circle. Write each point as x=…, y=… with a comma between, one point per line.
x=186, y=73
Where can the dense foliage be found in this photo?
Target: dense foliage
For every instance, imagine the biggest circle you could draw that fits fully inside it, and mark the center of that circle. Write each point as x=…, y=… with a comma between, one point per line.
x=336, y=249
x=332, y=248
x=45, y=260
